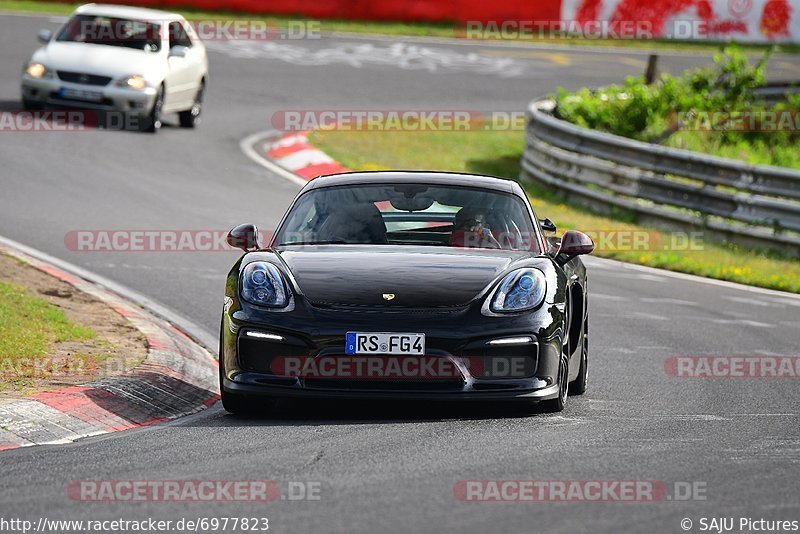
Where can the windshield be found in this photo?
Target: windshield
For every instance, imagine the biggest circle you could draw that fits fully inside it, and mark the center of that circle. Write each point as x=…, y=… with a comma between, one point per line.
x=93, y=29
x=409, y=214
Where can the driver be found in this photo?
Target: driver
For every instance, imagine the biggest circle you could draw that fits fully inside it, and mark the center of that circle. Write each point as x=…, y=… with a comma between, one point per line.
x=471, y=230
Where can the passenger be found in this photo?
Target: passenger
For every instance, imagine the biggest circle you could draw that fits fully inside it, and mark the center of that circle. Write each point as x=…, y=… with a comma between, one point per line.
x=471, y=231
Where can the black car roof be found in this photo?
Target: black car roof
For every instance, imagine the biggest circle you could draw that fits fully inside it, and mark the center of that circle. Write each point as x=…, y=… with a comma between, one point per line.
x=411, y=177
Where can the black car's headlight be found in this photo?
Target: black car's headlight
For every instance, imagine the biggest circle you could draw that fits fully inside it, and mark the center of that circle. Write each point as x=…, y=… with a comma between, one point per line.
x=520, y=290
x=263, y=285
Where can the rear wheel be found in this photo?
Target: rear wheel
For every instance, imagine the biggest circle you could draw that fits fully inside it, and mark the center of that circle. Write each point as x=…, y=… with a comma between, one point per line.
x=191, y=117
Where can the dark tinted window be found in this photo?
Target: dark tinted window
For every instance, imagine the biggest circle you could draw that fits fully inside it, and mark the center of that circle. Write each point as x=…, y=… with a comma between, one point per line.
x=108, y=31
x=178, y=35
x=410, y=214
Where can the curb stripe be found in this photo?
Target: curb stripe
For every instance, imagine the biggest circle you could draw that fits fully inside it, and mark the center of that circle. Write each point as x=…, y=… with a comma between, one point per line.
x=281, y=151
x=294, y=153
x=319, y=169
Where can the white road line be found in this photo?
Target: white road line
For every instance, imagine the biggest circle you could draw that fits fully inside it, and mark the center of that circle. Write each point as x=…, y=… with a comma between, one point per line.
x=753, y=302
x=743, y=322
x=666, y=300
x=651, y=316
x=615, y=298
x=694, y=278
x=246, y=146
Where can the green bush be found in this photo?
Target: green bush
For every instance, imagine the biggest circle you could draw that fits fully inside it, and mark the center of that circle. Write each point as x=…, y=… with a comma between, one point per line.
x=651, y=112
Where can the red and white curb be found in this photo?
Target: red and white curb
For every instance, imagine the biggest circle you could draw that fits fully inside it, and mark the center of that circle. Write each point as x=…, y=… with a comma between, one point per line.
x=294, y=153
x=178, y=377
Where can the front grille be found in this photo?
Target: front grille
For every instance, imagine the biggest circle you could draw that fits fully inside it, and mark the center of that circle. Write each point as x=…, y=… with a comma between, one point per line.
x=367, y=308
x=58, y=99
x=259, y=355
x=82, y=78
x=385, y=385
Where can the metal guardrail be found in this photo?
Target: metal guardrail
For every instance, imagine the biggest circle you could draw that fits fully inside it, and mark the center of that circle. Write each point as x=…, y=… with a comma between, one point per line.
x=755, y=206
x=777, y=91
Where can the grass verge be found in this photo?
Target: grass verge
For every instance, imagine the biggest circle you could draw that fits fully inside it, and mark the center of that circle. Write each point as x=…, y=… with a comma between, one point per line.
x=415, y=29
x=29, y=327
x=498, y=153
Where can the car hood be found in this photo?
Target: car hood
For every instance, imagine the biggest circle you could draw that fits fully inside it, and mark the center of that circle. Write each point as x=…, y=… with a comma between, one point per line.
x=416, y=276
x=103, y=60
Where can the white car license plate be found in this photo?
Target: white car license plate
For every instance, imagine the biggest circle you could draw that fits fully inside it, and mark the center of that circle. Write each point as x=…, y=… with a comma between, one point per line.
x=385, y=343
x=81, y=94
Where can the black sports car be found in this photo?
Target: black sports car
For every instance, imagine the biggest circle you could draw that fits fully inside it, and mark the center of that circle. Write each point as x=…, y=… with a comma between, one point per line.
x=406, y=285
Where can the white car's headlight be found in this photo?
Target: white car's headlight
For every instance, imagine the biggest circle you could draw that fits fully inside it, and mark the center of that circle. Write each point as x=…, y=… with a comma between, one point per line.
x=263, y=285
x=37, y=70
x=520, y=290
x=133, y=82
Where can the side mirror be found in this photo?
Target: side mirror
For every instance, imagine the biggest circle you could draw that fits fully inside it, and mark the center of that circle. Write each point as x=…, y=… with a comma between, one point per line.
x=547, y=225
x=44, y=36
x=573, y=243
x=178, y=51
x=245, y=237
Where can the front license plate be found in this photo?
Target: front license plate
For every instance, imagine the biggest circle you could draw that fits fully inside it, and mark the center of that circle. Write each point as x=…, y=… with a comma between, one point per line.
x=80, y=94
x=385, y=343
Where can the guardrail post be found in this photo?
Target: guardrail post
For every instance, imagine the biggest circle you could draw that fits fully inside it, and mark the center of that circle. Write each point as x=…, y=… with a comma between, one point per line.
x=651, y=73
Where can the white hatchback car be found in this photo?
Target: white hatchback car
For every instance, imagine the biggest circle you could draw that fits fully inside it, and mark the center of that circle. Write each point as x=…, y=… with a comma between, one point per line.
x=140, y=62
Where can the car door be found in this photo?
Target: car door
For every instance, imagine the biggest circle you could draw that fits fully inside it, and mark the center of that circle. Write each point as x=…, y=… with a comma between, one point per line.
x=183, y=73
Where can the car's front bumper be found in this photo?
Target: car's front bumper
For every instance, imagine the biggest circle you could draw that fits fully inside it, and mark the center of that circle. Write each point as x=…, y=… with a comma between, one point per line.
x=47, y=91
x=249, y=384
x=457, y=336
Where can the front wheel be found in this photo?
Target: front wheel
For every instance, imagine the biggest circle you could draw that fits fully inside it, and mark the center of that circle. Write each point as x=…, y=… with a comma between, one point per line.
x=151, y=122
x=559, y=403
x=191, y=117
x=235, y=404
x=31, y=105
x=578, y=386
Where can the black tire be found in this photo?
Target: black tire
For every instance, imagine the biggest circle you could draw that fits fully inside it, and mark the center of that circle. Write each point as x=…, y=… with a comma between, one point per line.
x=239, y=404
x=557, y=405
x=560, y=402
x=578, y=386
x=31, y=105
x=232, y=402
x=235, y=404
x=191, y=117
x=151, y=122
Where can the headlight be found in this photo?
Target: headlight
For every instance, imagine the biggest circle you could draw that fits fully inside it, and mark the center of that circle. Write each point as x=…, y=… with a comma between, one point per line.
x=133, y=82
x=37, y=70
x=262, y=285
x=520, y=290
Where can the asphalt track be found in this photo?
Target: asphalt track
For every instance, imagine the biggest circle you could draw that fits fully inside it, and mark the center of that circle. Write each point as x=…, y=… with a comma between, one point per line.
x=392, y=467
